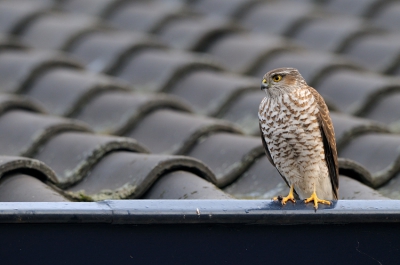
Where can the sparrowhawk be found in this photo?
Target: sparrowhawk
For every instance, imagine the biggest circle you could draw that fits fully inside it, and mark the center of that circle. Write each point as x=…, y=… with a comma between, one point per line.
x=298, y=137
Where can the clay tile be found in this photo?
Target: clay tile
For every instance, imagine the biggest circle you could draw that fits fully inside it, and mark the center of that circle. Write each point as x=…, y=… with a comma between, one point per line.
x=9, y=101
x=241, y=53
x=23, y=132
x=357, y=7
x=157, y=70
x=355, y=92
x=105, y=51
x=209, y=92
x=386, y=110
x=184, y=185
x=65, y=91
x=10, y=43
x=15, y=15
x=347, y=127
x=353, y=190
x=228, y=155
x=89, y=7
x=123, y=175
x=115, y=112
x=329, y=33
x=32, y=167
x=376, y=52
x=260, y=181
x=24, y=188
x=312, y=65
x=143, y=16
x=388, y=15
x=175, y=132
x=243, y=111
x=18, y=69
x=276, y=17
x=378, y=153
x=72, y=154
x=194, y=33
x=226, y=8
x=392, y=188
x=58, y=31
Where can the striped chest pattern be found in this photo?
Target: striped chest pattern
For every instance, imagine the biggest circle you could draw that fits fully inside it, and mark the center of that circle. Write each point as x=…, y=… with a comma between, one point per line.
x=291, y=130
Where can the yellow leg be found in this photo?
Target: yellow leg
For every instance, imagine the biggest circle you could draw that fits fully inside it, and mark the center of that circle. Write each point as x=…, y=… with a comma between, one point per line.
x=316, y=200
x=290, y=197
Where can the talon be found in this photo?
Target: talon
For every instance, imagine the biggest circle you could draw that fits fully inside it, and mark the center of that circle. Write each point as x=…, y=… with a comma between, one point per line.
x=283, y=200
x=316, y=200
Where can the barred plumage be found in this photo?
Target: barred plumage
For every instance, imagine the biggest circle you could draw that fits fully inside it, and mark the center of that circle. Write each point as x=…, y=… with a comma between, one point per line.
x=298, y=135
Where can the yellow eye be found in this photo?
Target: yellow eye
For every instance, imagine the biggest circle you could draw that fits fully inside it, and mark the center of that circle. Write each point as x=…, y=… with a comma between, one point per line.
x=277, y=78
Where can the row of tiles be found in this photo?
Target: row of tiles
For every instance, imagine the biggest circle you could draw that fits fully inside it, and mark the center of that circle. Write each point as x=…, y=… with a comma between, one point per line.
x=145, y=62
x=107, y=107
x=213, y=68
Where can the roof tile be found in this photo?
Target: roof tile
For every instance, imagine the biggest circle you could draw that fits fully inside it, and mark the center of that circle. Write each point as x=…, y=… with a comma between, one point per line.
x=276, y=17
x=176, y=132
x=105, y=51
x=133, y=174
x=154, y=70
x=18, y=69
x=208, y=92
x=241, y=53
x=184, y=185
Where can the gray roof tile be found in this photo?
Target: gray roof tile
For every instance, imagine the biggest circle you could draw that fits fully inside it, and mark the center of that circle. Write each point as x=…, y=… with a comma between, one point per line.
x=23, y=132
x=177, y=132
x=133, y=174
x=228, y=155
x=387, y=15
x=115, y=112
x=378, y=153
x=276, y=17
x=329, y=34
x=184, y=185
x=143, y=16
x=243, y=111
x=312, y=65
x=65, y=91
x=193, y=32
x=58, y=31
x=241, y=53
x=353, y=91
x=18, y=69
x=228, y=8
x=387, y=110
x=376, y=52
x=357, y=7
x=105, y=51
x=24, y=188
x=80, y=151
x=14, y=15
x=209, y=92
x=348, y=127
x=154, y=70
x=89, y=7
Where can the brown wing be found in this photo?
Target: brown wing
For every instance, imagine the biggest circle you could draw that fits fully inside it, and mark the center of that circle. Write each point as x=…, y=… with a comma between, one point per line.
x=328, y=138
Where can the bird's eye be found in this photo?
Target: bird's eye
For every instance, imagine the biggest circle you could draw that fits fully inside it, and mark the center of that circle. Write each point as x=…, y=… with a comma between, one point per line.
x=277, y=78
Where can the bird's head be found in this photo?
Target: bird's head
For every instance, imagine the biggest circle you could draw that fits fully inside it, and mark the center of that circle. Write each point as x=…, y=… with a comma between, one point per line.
x=281, y=81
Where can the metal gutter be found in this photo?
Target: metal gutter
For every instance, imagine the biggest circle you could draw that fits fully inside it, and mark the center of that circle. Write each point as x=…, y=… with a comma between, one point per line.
x=262, y=212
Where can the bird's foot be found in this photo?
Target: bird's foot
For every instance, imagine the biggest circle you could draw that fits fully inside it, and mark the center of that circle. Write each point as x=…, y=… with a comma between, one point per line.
x=283, y=200
x=316, y=200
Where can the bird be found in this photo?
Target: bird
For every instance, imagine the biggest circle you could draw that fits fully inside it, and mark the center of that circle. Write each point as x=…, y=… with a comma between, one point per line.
x=298, y=137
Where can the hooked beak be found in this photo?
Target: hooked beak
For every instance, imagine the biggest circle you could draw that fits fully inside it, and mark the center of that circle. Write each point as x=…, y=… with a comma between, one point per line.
x=264, y=84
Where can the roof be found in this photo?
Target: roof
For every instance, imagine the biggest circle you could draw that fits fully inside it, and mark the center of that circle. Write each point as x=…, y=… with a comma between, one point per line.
x=143, y=99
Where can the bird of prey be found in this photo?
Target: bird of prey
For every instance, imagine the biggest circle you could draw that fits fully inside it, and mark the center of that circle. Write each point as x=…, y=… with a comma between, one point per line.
x=298, y=137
